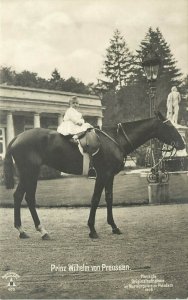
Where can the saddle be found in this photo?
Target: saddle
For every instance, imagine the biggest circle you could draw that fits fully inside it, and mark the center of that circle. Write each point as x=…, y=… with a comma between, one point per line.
x=89, y=142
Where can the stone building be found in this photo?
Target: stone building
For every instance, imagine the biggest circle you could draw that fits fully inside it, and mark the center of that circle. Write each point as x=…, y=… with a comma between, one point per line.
x=23, y=108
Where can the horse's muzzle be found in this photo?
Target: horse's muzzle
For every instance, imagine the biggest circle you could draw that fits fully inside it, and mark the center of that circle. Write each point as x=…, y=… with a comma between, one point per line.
x=179, y=145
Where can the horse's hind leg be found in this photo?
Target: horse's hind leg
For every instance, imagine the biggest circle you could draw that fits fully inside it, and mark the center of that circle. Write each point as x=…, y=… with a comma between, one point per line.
x=109, y=201
x=18, y=197
x=31, y=185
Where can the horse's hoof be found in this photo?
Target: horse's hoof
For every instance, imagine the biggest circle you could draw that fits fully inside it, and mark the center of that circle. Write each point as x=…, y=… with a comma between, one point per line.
x=46, y=237
x=23, y=235
x=116, y=231
x=93, y=235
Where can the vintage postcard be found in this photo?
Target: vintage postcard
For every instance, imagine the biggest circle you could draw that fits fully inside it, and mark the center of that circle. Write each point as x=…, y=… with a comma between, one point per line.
x=93, y=149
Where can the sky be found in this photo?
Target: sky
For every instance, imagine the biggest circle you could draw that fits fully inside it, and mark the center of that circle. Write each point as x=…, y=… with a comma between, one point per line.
x=72, y=35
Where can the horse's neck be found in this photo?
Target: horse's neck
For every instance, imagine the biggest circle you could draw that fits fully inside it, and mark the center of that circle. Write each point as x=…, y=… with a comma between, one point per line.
x=137, y=133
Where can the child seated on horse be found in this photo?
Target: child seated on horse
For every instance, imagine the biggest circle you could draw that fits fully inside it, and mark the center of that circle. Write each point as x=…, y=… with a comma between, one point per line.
x=73, y=122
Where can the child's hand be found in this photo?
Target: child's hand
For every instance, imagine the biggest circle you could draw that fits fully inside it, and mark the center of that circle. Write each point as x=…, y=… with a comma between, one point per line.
x=79, y=123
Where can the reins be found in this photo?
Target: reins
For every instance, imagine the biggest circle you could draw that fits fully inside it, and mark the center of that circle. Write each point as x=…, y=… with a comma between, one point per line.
x=104, y=133
x=164, y=156
x=125, y=135
x=165, y=151
x=119, y=126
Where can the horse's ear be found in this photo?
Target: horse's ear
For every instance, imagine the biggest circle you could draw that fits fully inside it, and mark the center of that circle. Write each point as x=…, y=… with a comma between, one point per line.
x=159, y=115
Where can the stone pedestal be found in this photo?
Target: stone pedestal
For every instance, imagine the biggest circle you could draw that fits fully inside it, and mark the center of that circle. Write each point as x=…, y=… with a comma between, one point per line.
x=158, y=193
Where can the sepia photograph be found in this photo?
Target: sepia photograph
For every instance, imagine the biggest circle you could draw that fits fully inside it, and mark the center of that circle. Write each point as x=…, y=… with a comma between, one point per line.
x=93, y=149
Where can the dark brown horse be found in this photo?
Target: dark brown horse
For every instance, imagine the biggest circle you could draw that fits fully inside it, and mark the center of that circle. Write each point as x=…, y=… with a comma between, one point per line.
x=36, y=147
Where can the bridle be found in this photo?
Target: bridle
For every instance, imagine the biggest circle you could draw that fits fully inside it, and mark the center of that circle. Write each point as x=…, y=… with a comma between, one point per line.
x=172, y=144
x=119, y=126
x=166, y=150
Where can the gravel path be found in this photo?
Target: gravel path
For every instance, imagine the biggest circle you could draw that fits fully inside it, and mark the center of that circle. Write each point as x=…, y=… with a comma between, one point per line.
x=153, y=245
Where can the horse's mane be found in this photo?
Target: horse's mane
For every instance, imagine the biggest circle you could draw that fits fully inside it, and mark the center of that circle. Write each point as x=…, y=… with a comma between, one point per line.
x=130, y=124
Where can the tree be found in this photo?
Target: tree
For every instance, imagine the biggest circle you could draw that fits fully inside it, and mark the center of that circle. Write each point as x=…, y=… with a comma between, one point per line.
x=183, y=113
x=7, y=75
x=56, y=82
x=117, y=68
x=26, y=78
x=75, y=86
x=42, y=83
x=169, y=74
x=132, y=101
x=55, y=76
x=184, y=87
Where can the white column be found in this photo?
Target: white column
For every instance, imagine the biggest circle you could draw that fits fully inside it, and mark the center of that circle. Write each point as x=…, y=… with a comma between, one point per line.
x=60, y=119
x=36, y=120
x=99, y=122
x=10, y=127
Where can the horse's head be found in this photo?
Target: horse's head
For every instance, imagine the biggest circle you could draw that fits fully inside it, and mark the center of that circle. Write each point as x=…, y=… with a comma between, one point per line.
x=167, y=133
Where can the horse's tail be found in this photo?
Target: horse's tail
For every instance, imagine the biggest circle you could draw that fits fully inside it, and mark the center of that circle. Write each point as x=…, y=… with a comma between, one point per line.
x=9, y=167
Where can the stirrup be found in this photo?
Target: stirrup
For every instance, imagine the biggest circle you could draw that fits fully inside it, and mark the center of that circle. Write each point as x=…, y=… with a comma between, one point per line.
x=92, y=174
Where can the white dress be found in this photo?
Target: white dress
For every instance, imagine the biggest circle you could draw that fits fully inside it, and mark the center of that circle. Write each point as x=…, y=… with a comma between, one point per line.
x=70, y=123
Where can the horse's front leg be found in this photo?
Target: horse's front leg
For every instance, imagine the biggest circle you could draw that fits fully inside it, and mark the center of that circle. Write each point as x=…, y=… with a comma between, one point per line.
x=99, y=185
x=109, y=201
